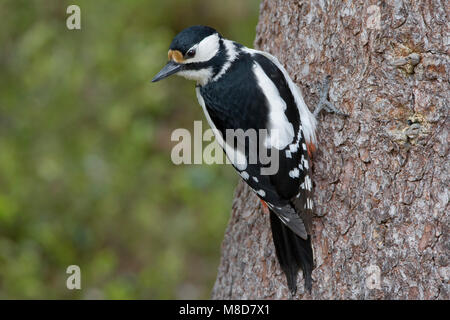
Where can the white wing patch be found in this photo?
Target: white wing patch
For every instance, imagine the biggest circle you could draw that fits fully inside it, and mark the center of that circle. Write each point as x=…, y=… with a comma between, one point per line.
x=244, y=175
x=293, y=147
x=305, y=164
x=294, y=173
x=306, y=117
x=261, y=192
x=281, y=131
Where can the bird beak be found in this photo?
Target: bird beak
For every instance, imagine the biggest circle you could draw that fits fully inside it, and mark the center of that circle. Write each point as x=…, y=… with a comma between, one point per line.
x=170, y=68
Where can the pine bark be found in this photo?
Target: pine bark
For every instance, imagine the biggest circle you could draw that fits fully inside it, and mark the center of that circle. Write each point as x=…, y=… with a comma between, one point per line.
x=381, y=174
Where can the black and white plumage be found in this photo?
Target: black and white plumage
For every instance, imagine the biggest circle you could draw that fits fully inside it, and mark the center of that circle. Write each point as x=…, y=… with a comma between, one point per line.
x=242, y=88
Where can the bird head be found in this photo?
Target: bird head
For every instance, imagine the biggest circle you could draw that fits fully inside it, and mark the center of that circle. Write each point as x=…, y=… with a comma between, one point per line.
x=194, y=54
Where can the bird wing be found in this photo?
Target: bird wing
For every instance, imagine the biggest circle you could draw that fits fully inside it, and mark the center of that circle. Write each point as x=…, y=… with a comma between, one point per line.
x=296, y=155
x=242, y=99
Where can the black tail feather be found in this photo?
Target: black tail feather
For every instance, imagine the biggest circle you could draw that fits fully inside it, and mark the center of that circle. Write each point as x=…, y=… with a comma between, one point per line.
x=293, y=253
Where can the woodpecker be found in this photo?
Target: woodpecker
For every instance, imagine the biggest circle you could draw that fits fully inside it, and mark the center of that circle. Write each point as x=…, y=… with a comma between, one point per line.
x=243, y=88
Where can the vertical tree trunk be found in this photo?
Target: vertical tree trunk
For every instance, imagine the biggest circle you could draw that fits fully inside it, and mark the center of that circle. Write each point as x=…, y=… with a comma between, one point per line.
x=381, y=175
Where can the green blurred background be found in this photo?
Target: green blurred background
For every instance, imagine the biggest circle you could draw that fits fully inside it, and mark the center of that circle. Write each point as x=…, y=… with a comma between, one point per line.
x=85, y=171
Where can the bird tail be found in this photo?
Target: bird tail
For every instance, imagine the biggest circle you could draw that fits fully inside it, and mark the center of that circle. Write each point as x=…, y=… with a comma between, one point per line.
x=293, y=253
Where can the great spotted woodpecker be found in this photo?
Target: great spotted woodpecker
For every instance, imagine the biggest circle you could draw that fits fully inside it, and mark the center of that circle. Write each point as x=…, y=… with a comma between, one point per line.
x=242, y=88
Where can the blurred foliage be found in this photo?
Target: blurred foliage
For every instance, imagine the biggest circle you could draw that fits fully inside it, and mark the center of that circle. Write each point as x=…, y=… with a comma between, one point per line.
x=85, y=171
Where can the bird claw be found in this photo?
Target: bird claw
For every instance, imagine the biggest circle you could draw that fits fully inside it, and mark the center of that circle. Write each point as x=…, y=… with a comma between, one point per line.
x=324, y=103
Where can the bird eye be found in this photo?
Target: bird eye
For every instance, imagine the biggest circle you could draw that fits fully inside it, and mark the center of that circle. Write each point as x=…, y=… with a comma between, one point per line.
x=190, y=53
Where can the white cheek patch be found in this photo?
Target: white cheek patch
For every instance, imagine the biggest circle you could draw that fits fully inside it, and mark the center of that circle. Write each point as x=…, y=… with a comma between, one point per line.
x=202, y=76
x=205, y=50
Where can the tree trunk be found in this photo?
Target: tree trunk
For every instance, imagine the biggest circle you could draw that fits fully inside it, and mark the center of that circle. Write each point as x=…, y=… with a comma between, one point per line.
x=381, y=175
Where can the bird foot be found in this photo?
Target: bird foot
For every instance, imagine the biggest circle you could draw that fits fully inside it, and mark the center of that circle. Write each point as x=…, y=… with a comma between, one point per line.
x=324, y=103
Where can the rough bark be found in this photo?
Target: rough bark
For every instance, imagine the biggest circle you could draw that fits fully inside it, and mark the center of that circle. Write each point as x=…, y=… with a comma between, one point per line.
x=381, y=175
